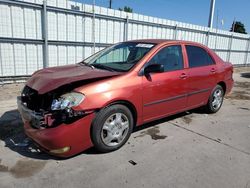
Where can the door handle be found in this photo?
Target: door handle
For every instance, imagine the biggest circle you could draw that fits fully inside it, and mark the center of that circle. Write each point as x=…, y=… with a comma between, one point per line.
x=183, y=76
x=213, y=70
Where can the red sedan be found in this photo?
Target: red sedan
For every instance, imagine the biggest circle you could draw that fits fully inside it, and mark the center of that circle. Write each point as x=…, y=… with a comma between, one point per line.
x=99, y=101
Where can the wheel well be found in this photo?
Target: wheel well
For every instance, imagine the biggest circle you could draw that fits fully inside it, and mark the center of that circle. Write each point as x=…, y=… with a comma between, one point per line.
x=130, y=106
x=223, y=85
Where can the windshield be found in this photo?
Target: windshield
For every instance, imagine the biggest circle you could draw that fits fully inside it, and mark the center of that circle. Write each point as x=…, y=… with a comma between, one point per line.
x=121, y=57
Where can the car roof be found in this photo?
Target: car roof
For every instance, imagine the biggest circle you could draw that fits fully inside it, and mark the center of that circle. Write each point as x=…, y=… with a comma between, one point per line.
x=164, y=41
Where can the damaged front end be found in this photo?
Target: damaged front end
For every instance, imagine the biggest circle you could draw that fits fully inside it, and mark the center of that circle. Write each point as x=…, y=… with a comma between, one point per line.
x=50, y=109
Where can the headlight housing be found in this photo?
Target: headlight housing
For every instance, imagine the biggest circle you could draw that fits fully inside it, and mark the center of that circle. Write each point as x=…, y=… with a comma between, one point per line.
x=67, y=100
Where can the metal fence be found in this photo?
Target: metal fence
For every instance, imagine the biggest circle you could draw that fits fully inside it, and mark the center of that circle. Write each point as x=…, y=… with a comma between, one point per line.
x=36, y=34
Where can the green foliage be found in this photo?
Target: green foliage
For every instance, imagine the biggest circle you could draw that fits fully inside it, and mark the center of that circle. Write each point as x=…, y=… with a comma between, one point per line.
x=238, y=27
x=126, y=9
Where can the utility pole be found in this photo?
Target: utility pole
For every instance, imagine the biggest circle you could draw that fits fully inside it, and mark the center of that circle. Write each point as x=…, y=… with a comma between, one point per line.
x=211, y=14
x=110, y=4
x=217, y=20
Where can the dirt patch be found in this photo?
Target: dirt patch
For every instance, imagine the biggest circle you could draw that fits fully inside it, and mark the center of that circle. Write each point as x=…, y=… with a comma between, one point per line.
x=24, y=168
x=153, y=132
x=239, y=95
x=241, y=69
x=241, y=91
x=242, y=108
x=243, y=85
x=187, y=119
x=3, y=168
x=9, y=91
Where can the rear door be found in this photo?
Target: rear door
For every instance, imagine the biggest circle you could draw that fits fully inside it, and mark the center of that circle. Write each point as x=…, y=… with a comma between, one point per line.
x=201, y=75
x=165, y=93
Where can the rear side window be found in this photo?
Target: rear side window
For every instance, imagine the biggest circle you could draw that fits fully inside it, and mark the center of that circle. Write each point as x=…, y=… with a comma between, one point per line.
x=170, y=57
x=198, y=57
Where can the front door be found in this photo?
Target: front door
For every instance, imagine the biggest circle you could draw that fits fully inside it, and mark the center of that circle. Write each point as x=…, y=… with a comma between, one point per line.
x=165, y=93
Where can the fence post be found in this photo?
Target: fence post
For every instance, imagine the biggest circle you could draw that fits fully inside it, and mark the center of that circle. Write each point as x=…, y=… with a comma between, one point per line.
x=45, y=34
x=12, y=35
x=175, y=32
x=229, y=48
x=93, y=27
x=247, y=51
x=125, y=35
x=207, y=38
x=1, y=62
x=216, y=38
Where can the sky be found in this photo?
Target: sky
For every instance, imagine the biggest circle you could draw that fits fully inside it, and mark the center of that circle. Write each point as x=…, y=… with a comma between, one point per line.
x=188, y=11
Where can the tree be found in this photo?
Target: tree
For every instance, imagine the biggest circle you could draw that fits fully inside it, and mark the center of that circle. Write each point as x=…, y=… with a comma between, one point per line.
x=238, y=27
x=126, y=9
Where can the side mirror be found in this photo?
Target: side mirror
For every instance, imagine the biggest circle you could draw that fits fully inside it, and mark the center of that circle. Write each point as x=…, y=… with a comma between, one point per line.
x=154, y=68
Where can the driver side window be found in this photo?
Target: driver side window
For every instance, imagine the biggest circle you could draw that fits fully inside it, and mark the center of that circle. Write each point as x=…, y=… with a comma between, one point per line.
x=170, y=57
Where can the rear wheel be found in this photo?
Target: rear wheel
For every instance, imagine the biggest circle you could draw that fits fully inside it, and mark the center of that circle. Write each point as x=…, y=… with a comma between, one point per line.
x=111, y=128
x=215, y=100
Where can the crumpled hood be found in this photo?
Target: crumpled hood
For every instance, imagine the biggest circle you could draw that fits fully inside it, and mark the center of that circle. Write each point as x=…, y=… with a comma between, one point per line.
x=48, y=79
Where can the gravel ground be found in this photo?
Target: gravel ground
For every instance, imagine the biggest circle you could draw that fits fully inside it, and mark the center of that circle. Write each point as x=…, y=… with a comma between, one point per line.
x=191, y=149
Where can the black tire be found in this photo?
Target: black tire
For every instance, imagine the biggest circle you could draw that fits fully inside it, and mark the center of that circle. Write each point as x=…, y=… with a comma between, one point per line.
x=210, y=107
x=97, y=131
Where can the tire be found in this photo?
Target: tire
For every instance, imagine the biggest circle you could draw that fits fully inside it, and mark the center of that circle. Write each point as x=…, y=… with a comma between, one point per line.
x=112, y=128
x=215, y=100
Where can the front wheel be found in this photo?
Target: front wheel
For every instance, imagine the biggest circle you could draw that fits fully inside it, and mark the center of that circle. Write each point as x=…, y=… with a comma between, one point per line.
x=111, y=128
x=215, y=100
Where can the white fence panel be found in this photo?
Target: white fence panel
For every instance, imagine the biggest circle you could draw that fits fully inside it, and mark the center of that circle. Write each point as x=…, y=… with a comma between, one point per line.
x=72, y=34
x=62, y=55
x=17, y=22
x=248, y=59
x=237, y=57
x=62, y=26
x=7, y=59
x=5, y=21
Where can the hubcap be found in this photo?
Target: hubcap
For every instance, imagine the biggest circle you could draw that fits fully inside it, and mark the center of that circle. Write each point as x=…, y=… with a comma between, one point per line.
x=115, y=129
x=217, y=99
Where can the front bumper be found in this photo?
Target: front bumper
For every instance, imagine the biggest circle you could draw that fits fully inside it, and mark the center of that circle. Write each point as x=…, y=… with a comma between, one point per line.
x=75, y=135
